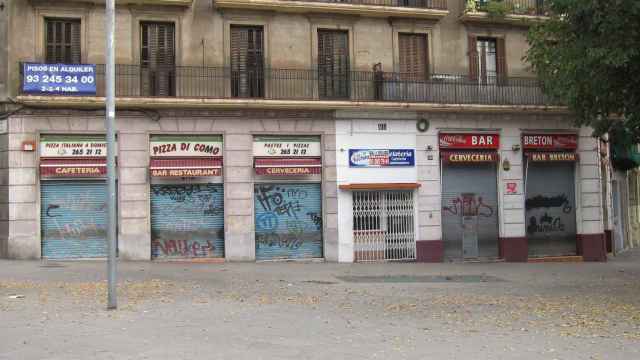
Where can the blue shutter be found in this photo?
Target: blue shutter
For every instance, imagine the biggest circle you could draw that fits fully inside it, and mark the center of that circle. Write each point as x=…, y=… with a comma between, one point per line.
x=187, y=221
x=288, y=221
x=73, y=219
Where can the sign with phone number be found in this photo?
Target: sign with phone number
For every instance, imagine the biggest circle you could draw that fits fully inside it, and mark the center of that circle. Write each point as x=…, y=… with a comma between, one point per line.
x=59, y=79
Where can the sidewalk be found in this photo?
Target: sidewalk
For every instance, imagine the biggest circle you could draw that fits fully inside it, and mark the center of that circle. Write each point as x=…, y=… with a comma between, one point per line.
x=322, y=310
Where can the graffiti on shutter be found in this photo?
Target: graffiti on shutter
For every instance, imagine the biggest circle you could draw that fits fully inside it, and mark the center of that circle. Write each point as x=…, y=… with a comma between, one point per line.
x=73, y=217
x=470, y=210
x=187, y=221
x=550, y=210
x=288, y=221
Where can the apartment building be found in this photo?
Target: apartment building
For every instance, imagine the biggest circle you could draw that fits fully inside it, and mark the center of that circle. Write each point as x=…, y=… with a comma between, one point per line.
x=353, y=130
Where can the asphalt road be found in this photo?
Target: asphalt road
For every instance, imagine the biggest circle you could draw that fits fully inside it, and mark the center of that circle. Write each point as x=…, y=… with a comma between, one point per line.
x=322, y=311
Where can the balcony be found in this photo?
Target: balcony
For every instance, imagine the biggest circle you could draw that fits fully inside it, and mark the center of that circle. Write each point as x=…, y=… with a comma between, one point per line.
x=514, y=12
x=189, y=87
x=416, y=9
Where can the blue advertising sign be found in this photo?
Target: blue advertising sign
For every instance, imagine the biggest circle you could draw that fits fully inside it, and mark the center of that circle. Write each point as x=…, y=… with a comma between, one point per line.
x=59, y=79
x=381, y=157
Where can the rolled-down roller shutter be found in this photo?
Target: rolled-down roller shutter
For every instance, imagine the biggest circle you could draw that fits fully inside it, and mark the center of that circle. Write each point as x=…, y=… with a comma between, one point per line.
x=187, y=221
x=469, y=210
x=288, y=221
x=550, y=208
x=73, y=219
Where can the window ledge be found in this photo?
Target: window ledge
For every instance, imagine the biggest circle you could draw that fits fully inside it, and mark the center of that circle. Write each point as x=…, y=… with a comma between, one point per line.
x=97, y=102
x=511, y=19
x=143, y=2
x=380, y=186
x=341, y=8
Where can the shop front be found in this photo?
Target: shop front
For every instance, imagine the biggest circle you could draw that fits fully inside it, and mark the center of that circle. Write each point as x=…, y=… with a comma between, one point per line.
x=187, y=197
x=288, y=197
x=469, y=194
x=550, y=205
x=73, y=196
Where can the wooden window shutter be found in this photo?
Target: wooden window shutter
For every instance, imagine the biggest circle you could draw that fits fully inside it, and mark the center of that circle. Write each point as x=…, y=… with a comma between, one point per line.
x=473, y=57
x=157, y=59
x=501, y=60
x=63, y=41
x=247, y=61
x=413, y=57
x=333, y=63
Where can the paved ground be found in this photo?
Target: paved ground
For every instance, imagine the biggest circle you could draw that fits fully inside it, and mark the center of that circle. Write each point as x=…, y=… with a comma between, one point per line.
x=323, y=311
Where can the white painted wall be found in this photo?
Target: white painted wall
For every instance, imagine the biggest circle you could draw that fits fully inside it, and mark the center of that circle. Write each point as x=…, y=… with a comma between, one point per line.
x=360, y=132
x=356, y=133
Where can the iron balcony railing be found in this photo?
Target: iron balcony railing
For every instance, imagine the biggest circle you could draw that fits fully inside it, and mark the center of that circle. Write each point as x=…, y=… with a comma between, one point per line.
x=421, y=4
x=514, y=7
x=320, y=84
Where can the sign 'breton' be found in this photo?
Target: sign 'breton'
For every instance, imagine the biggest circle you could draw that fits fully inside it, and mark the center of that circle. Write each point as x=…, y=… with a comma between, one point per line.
x=549, y=141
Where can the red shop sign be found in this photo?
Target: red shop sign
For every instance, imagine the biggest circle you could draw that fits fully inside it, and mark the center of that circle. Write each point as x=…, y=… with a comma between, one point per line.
x=469, y=141
x=550, y=141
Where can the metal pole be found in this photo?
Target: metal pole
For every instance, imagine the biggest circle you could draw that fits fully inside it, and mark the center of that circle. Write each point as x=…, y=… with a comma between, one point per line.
x=110, y=116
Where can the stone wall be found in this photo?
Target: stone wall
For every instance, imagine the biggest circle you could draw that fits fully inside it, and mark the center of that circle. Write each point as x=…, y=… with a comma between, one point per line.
x=134, y=129
x=202, y=36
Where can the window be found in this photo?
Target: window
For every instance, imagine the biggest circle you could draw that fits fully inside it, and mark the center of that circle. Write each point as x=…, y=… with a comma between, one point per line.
x=62, y=40
x=413, y=57
x=247, y=61
x=487, y=60
x=333, y=64
x=157, y=59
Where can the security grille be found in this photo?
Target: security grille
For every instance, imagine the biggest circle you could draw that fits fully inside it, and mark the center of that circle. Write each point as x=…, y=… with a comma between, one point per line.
x=383, y=225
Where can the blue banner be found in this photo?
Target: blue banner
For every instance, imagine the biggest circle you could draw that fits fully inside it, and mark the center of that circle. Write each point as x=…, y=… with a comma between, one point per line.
x=59, y=79
x=381, y=157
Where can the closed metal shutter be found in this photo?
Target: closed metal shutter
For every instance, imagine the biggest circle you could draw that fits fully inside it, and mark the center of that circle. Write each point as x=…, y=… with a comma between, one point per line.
x=73, y=219
x=469, y=211
x=383, y=225
x=550, y=209
x=288, y=220
x=187, y=221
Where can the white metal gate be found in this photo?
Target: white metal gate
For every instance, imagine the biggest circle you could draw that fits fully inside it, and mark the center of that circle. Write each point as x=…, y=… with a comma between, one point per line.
x=383, y=225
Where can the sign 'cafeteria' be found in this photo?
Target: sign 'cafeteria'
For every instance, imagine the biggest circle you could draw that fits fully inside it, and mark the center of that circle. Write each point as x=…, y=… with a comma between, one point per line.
x=469, y=141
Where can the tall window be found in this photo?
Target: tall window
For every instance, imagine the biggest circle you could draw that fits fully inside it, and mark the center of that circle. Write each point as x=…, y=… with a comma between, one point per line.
x=413, y=57
x=247, y=61
x=487, y=60
x=333, y=64
x=62, y=41
x=157, y=59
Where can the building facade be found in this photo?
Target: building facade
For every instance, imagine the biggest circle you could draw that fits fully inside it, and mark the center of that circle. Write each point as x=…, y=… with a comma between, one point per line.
x=281, y=129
